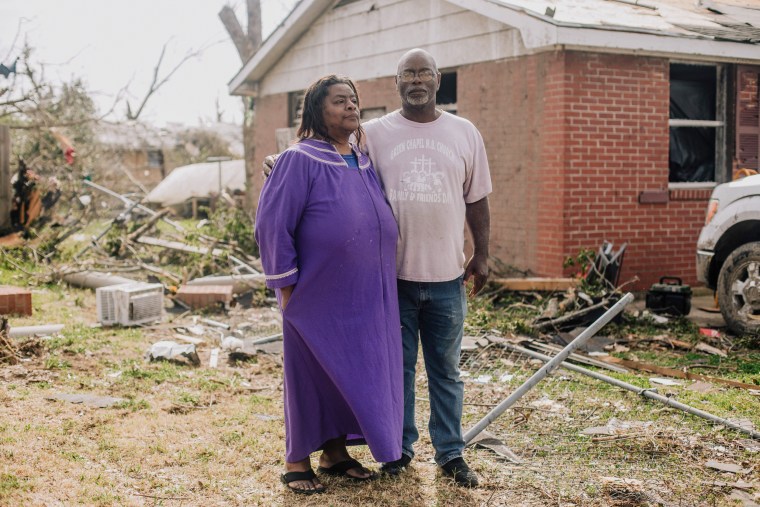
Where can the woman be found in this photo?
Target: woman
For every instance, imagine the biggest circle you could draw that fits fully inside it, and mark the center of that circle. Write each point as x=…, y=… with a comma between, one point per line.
x=327, y=239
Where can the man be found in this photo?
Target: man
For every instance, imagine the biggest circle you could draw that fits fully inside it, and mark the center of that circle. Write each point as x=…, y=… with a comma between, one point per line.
x=434, y=171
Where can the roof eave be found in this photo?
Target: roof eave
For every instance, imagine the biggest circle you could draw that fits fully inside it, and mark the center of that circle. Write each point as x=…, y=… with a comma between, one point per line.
x=657, y=44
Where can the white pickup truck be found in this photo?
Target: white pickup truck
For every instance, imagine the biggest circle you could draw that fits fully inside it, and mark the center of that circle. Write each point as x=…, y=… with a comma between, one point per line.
x=728, y=252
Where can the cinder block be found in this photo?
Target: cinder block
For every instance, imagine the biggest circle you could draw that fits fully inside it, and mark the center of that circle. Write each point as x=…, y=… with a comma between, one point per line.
x=203, y=296
x=15, y=301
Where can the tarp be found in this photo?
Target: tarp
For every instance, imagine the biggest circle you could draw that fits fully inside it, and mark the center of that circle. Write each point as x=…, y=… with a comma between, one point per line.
x=199, y=180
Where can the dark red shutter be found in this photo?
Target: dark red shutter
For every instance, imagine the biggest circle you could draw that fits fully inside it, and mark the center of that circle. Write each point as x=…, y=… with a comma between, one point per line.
x=748, y=118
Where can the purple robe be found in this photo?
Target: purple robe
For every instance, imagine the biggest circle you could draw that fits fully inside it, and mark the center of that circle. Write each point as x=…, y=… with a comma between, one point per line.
x=328, y=229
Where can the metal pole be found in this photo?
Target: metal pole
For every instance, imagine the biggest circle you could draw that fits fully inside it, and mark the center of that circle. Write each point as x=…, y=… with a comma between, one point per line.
x=647, y=393
x=267, y=339
x=219, y=160
x=548, y=367
x=128, y=201
x=16, y=332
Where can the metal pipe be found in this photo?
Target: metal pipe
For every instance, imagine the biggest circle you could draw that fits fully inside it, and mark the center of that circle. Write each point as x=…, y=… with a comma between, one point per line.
x=94, y=279
x=548, y=367
x=647, y=393
x=240, y=283
x=267, y=339
x=16, y=332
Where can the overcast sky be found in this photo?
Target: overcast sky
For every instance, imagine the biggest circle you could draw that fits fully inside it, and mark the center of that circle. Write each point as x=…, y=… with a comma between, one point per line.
x=111, y=44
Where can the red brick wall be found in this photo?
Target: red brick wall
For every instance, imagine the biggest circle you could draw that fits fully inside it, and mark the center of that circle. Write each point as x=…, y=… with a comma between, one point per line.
x=573, y=138
x=616, y=113
x=15, y=301
x=378, y=93
x=516, y=105
x=271, y=114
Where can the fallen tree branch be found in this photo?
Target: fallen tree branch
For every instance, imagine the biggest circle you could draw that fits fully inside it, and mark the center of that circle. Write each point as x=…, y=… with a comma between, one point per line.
x=148, y=225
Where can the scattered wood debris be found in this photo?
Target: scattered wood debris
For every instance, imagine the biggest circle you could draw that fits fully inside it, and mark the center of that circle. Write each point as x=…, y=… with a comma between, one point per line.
x=8, y=353
x=672, y=372
x=727, y=467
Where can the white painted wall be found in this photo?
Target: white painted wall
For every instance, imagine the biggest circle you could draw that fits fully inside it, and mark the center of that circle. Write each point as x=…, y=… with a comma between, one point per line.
x=365, y=39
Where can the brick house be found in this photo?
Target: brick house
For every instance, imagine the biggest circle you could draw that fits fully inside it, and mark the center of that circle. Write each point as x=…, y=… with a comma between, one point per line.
x=603, y=120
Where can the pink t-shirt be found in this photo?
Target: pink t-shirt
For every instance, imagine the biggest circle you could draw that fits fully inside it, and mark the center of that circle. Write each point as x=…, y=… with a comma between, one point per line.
x=428, y=172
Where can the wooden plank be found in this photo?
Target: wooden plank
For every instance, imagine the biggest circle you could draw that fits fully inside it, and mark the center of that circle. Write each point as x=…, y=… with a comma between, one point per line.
x=536, y=284
x=6, y=193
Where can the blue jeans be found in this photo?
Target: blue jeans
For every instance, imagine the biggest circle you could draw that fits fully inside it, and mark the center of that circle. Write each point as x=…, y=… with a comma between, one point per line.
x=432, y=313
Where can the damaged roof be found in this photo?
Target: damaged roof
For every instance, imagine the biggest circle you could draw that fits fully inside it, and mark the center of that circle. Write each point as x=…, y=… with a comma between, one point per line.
x=133, y=135
x=738, y=21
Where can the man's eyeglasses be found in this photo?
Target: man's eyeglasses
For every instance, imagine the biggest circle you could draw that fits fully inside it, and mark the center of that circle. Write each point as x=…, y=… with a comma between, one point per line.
x=424, y=75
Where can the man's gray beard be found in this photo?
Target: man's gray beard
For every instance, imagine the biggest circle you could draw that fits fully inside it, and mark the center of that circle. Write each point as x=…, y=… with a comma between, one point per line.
x=418, y=101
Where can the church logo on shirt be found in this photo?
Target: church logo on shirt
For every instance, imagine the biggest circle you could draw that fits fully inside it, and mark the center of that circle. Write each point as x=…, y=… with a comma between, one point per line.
x=421, y=180
x=421, y=183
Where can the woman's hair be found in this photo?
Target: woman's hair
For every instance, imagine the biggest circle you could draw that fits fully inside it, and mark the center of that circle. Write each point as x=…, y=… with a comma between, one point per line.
x=312, y=117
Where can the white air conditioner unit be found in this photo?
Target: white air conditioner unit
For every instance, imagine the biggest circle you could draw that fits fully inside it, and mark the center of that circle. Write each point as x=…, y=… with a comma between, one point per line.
x=130, y=304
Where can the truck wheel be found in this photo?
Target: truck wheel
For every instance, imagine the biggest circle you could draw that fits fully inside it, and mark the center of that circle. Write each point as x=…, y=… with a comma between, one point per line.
x=739, y=289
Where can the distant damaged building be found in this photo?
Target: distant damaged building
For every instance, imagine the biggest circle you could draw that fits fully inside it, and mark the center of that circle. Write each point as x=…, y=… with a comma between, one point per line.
x=137, y=154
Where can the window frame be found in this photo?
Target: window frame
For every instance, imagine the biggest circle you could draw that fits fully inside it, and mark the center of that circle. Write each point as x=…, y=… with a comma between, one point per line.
x=722, y=173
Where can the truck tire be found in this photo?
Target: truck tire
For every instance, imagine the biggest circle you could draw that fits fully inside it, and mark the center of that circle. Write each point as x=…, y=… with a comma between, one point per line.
x=739, y=289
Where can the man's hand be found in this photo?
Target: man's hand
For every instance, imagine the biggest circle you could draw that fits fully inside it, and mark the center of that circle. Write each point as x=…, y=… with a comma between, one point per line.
x=285, y=293
x=478, y=219
x=268, y=164
x=477, y=270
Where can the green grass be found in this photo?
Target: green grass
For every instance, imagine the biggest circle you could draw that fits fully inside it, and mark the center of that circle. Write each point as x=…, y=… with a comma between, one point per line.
x=155, y=373
x=10, y=483
x=132, y=405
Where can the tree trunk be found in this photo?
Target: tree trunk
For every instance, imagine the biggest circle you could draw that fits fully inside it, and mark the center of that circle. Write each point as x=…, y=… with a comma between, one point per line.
x=246, y=47
x=254, y=23
x=242, y=43
x=251, y=167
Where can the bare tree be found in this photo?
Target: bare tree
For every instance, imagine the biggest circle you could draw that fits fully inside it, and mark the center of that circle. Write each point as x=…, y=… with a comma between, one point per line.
x=246, y=43
x=157, y=83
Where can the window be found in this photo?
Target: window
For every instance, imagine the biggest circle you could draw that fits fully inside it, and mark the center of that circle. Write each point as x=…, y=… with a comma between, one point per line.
x=155, y=159
x=748, y=118
x=446, y=98
x=697, y=124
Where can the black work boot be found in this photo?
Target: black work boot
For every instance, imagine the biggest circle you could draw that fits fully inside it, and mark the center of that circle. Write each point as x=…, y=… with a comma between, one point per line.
x=458, y=470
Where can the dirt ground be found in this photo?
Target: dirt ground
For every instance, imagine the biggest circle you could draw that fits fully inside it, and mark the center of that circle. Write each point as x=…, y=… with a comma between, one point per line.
x=186, y=435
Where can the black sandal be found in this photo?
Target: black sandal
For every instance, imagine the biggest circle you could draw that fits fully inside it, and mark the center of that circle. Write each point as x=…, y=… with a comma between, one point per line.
x=341, y=470
x=308, y=475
